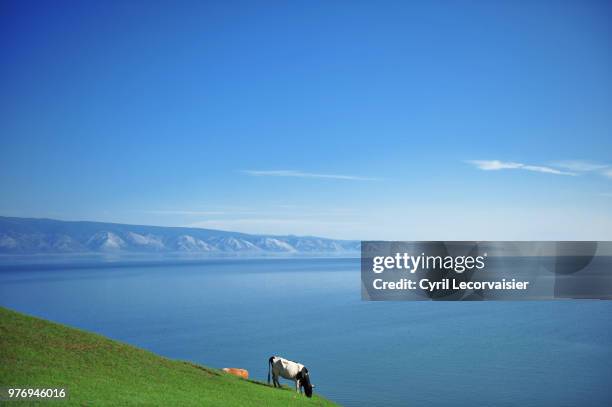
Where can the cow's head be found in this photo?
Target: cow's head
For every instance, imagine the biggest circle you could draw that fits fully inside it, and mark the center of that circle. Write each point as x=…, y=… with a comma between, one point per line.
x=305, y=382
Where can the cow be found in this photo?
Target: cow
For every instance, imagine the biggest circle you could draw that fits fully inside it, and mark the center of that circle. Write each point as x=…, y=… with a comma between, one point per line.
x=291, y=371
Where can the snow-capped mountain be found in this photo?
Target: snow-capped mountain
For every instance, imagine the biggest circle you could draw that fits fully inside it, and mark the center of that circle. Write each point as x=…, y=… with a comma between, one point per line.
x=147, y=241
x=34, y=236
x=106, y=241
x=233, y=244
x=186, y=243
x=275, y=245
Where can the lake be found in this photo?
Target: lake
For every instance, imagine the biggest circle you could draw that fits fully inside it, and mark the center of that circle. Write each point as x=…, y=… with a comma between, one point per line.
x=238, y=313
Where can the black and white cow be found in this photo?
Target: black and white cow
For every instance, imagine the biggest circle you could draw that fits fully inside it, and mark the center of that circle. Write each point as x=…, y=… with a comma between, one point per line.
x=291, y=371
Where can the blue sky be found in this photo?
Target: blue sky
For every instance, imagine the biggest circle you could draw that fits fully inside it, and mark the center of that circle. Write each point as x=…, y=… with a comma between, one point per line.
x=368, y=120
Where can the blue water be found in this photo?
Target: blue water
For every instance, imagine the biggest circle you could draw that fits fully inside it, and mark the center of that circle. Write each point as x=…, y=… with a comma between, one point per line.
x=237, y=313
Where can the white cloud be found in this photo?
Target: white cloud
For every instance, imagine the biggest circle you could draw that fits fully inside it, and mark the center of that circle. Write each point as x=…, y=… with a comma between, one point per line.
x=580, y=165
x=548, y=170
x=301, y=174
x=607, y=173
x=495, y=165
x=489, y=165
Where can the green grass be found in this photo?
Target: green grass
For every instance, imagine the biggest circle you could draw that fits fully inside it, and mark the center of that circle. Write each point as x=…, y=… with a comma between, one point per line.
x=102, y=372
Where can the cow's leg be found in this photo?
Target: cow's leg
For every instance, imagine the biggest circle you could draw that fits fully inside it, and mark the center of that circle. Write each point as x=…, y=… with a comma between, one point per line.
x=275, y=381
x=297, y=385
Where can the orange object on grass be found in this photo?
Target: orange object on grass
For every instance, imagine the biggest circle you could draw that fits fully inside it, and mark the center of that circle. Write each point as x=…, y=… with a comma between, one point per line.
x=237, y=372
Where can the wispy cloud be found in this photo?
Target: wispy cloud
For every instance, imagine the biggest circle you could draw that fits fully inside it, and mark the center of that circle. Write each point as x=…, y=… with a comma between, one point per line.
x=586, y=167
x=580, y=165
x=301, y=174
x=496, y=165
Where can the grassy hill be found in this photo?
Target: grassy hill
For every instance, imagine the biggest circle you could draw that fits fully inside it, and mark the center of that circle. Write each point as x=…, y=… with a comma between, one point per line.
x=99, y=371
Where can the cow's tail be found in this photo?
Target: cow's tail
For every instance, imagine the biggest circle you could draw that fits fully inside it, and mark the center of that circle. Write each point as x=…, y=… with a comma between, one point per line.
x=270, y=367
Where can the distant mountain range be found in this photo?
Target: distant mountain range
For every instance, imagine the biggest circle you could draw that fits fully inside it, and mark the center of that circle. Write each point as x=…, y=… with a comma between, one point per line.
x=40, y=236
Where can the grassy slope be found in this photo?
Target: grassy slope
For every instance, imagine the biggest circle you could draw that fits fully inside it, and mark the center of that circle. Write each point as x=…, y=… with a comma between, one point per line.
x=99, y=371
